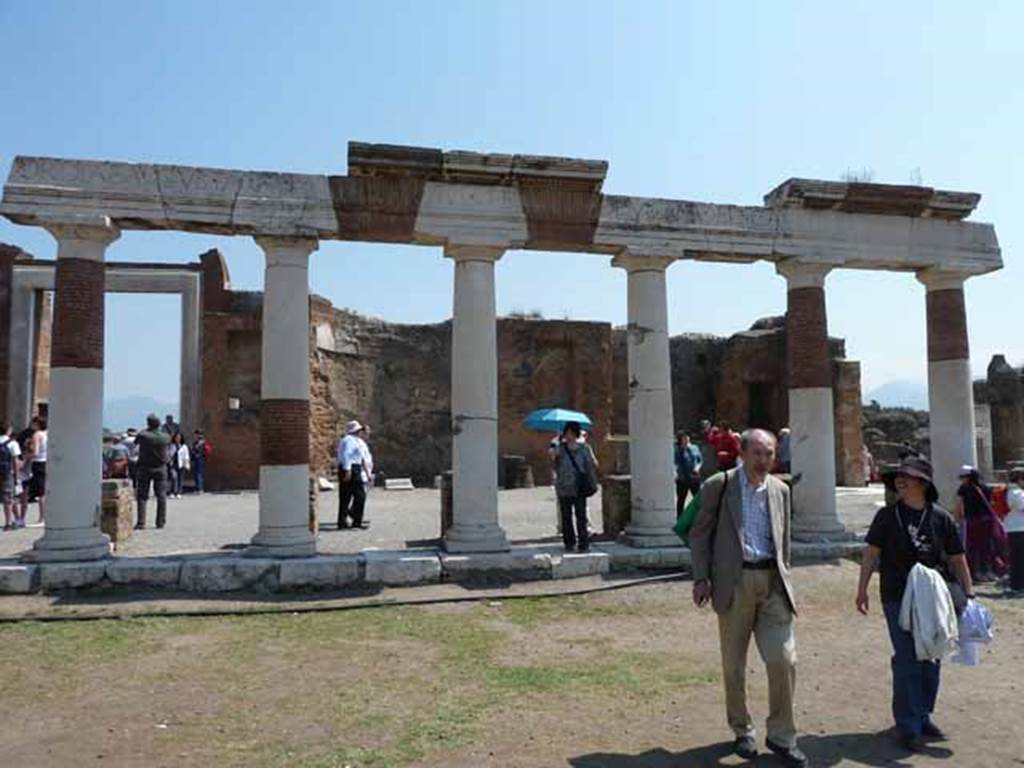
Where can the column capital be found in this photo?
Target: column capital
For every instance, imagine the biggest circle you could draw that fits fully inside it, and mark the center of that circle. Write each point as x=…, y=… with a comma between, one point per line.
x=488, y=253
x=82, y=237
x=631, y=261
x=803, y=274
x=284, y=251
x=937, y=279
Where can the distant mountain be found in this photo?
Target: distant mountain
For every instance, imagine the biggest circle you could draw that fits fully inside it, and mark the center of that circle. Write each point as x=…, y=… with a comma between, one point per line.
x=900, y=394
x=124, y=412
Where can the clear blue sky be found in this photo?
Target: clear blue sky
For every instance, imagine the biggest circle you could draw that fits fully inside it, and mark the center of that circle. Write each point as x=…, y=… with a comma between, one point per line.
x=702, y=101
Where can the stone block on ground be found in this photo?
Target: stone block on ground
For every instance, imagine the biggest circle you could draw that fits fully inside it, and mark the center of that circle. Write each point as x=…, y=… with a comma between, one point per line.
x=144, y=572
x=823, y=551
x=399, y=484
x=227, y=574
x=574, y=566
x=625, y=558
x=117, y=510
x=54, y=576
x=401, y=568
x=322, y=572
x=516, y=565
x=19, y=579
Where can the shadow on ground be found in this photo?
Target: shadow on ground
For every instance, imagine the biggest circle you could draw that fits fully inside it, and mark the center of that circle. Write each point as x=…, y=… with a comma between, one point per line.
x=876, y=750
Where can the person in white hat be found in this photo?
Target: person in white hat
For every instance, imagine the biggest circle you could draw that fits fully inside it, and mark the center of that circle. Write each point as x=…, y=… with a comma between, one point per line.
x=351, y=490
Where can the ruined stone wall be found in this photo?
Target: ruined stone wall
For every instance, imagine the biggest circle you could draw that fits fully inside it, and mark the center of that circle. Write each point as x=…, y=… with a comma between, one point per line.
x=1003, y=391
x=552, y=364
x=43, y=341
x=8, y=253
x=231, y=361
x=396, y=378
x=847, y=403
x=696, y=360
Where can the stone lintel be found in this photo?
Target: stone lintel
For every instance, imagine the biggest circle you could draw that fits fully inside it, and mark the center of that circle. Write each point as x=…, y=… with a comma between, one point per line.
x=465, y=167
x=883, y=199
x=546, y=204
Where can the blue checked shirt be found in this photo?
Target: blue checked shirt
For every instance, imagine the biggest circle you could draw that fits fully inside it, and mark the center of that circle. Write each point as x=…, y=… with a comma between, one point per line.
x=757, y=522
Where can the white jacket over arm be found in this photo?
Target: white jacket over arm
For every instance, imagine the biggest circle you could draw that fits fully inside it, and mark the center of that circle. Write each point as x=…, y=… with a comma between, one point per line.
x=927, y=612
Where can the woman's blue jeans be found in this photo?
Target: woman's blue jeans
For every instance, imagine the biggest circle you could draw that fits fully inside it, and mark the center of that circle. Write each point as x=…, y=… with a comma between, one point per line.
x=915, y=684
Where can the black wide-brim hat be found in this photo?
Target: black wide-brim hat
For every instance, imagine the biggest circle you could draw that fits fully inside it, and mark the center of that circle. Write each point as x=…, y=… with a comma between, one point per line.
x=920, y=469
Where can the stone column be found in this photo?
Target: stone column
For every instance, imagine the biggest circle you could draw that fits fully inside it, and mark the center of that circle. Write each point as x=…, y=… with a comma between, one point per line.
x=950, y=392
x=652, y=496
x=74, y=460
x=284, y=408
x=190, y=363
x=474, y=404
x=21, y=358
x=811, y=415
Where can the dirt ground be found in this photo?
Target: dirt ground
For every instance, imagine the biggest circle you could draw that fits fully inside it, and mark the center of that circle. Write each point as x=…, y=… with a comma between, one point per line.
x=621, y=679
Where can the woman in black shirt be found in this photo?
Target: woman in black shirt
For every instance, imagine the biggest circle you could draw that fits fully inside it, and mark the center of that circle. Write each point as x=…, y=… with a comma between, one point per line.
x=913, y=530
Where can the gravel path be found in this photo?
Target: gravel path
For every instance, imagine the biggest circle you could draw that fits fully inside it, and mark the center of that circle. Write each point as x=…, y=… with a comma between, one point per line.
x=398, y=519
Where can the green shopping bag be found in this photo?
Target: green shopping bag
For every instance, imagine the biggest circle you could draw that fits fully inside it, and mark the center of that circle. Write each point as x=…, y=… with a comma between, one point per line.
x=685, y=521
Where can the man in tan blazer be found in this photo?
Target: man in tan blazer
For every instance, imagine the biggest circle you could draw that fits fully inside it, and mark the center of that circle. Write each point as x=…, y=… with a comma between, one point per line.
x=740, y=549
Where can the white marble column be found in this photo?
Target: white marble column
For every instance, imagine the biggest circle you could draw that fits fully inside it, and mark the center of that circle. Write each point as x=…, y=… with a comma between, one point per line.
x=284, y=408
x=950, y=392
x=652, y=486
x=811, y=413
x=474, y=404
x=75, y=428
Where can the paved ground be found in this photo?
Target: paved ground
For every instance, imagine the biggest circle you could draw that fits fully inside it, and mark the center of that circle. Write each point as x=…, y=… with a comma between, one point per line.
x=398, y=519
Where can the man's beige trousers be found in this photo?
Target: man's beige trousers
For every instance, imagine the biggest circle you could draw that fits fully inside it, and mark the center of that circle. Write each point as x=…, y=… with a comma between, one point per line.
x=760, y=608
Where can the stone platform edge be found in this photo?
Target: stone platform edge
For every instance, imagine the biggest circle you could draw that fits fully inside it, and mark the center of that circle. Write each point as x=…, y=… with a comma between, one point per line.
x=369, y=568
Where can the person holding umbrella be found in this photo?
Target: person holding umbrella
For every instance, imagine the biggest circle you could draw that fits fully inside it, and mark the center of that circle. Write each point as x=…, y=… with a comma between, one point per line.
x=575, y=481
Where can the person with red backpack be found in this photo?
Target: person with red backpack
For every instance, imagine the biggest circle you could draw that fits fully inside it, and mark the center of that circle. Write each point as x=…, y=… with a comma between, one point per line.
x=200, y=451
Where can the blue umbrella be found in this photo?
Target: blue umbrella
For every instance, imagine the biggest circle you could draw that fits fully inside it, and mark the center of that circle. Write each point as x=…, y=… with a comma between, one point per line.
x=554, y=419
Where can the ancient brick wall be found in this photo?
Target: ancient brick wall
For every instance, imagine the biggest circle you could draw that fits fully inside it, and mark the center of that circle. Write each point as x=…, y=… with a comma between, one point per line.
x=396, y=378
x=552, y=364
x=1003, y=390
x=231, y=362
x=8, y=253
x=847, y=403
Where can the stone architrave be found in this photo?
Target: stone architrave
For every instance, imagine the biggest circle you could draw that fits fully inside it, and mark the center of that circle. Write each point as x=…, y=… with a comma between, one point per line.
x=811, y=416
x=284, y=408
x=950, y=391
x=75, y=427
x=475, y=526
x=652, y=489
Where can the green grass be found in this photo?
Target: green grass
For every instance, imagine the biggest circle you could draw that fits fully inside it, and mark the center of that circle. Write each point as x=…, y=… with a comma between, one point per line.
x=398, y=685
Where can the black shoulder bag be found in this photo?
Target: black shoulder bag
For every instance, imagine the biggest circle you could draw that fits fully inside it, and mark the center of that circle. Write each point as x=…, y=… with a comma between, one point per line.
x=585, y=484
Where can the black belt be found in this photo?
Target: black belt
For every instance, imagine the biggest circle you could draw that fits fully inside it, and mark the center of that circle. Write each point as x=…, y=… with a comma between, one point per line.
x=758, y=565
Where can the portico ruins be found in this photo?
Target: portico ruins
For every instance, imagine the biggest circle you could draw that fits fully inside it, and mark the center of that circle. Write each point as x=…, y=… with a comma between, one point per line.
x=477, y=207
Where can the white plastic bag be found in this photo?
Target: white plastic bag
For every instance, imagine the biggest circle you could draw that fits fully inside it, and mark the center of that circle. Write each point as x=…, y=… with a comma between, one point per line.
x=975, y=629
x=975, y=623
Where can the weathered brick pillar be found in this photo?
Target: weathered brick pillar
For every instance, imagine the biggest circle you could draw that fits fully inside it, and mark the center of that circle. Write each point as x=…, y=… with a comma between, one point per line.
x=652, y=488
x=74, y=460
x=950, y=392
x=284, y=408
x=811, y=415
x=475, y=526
